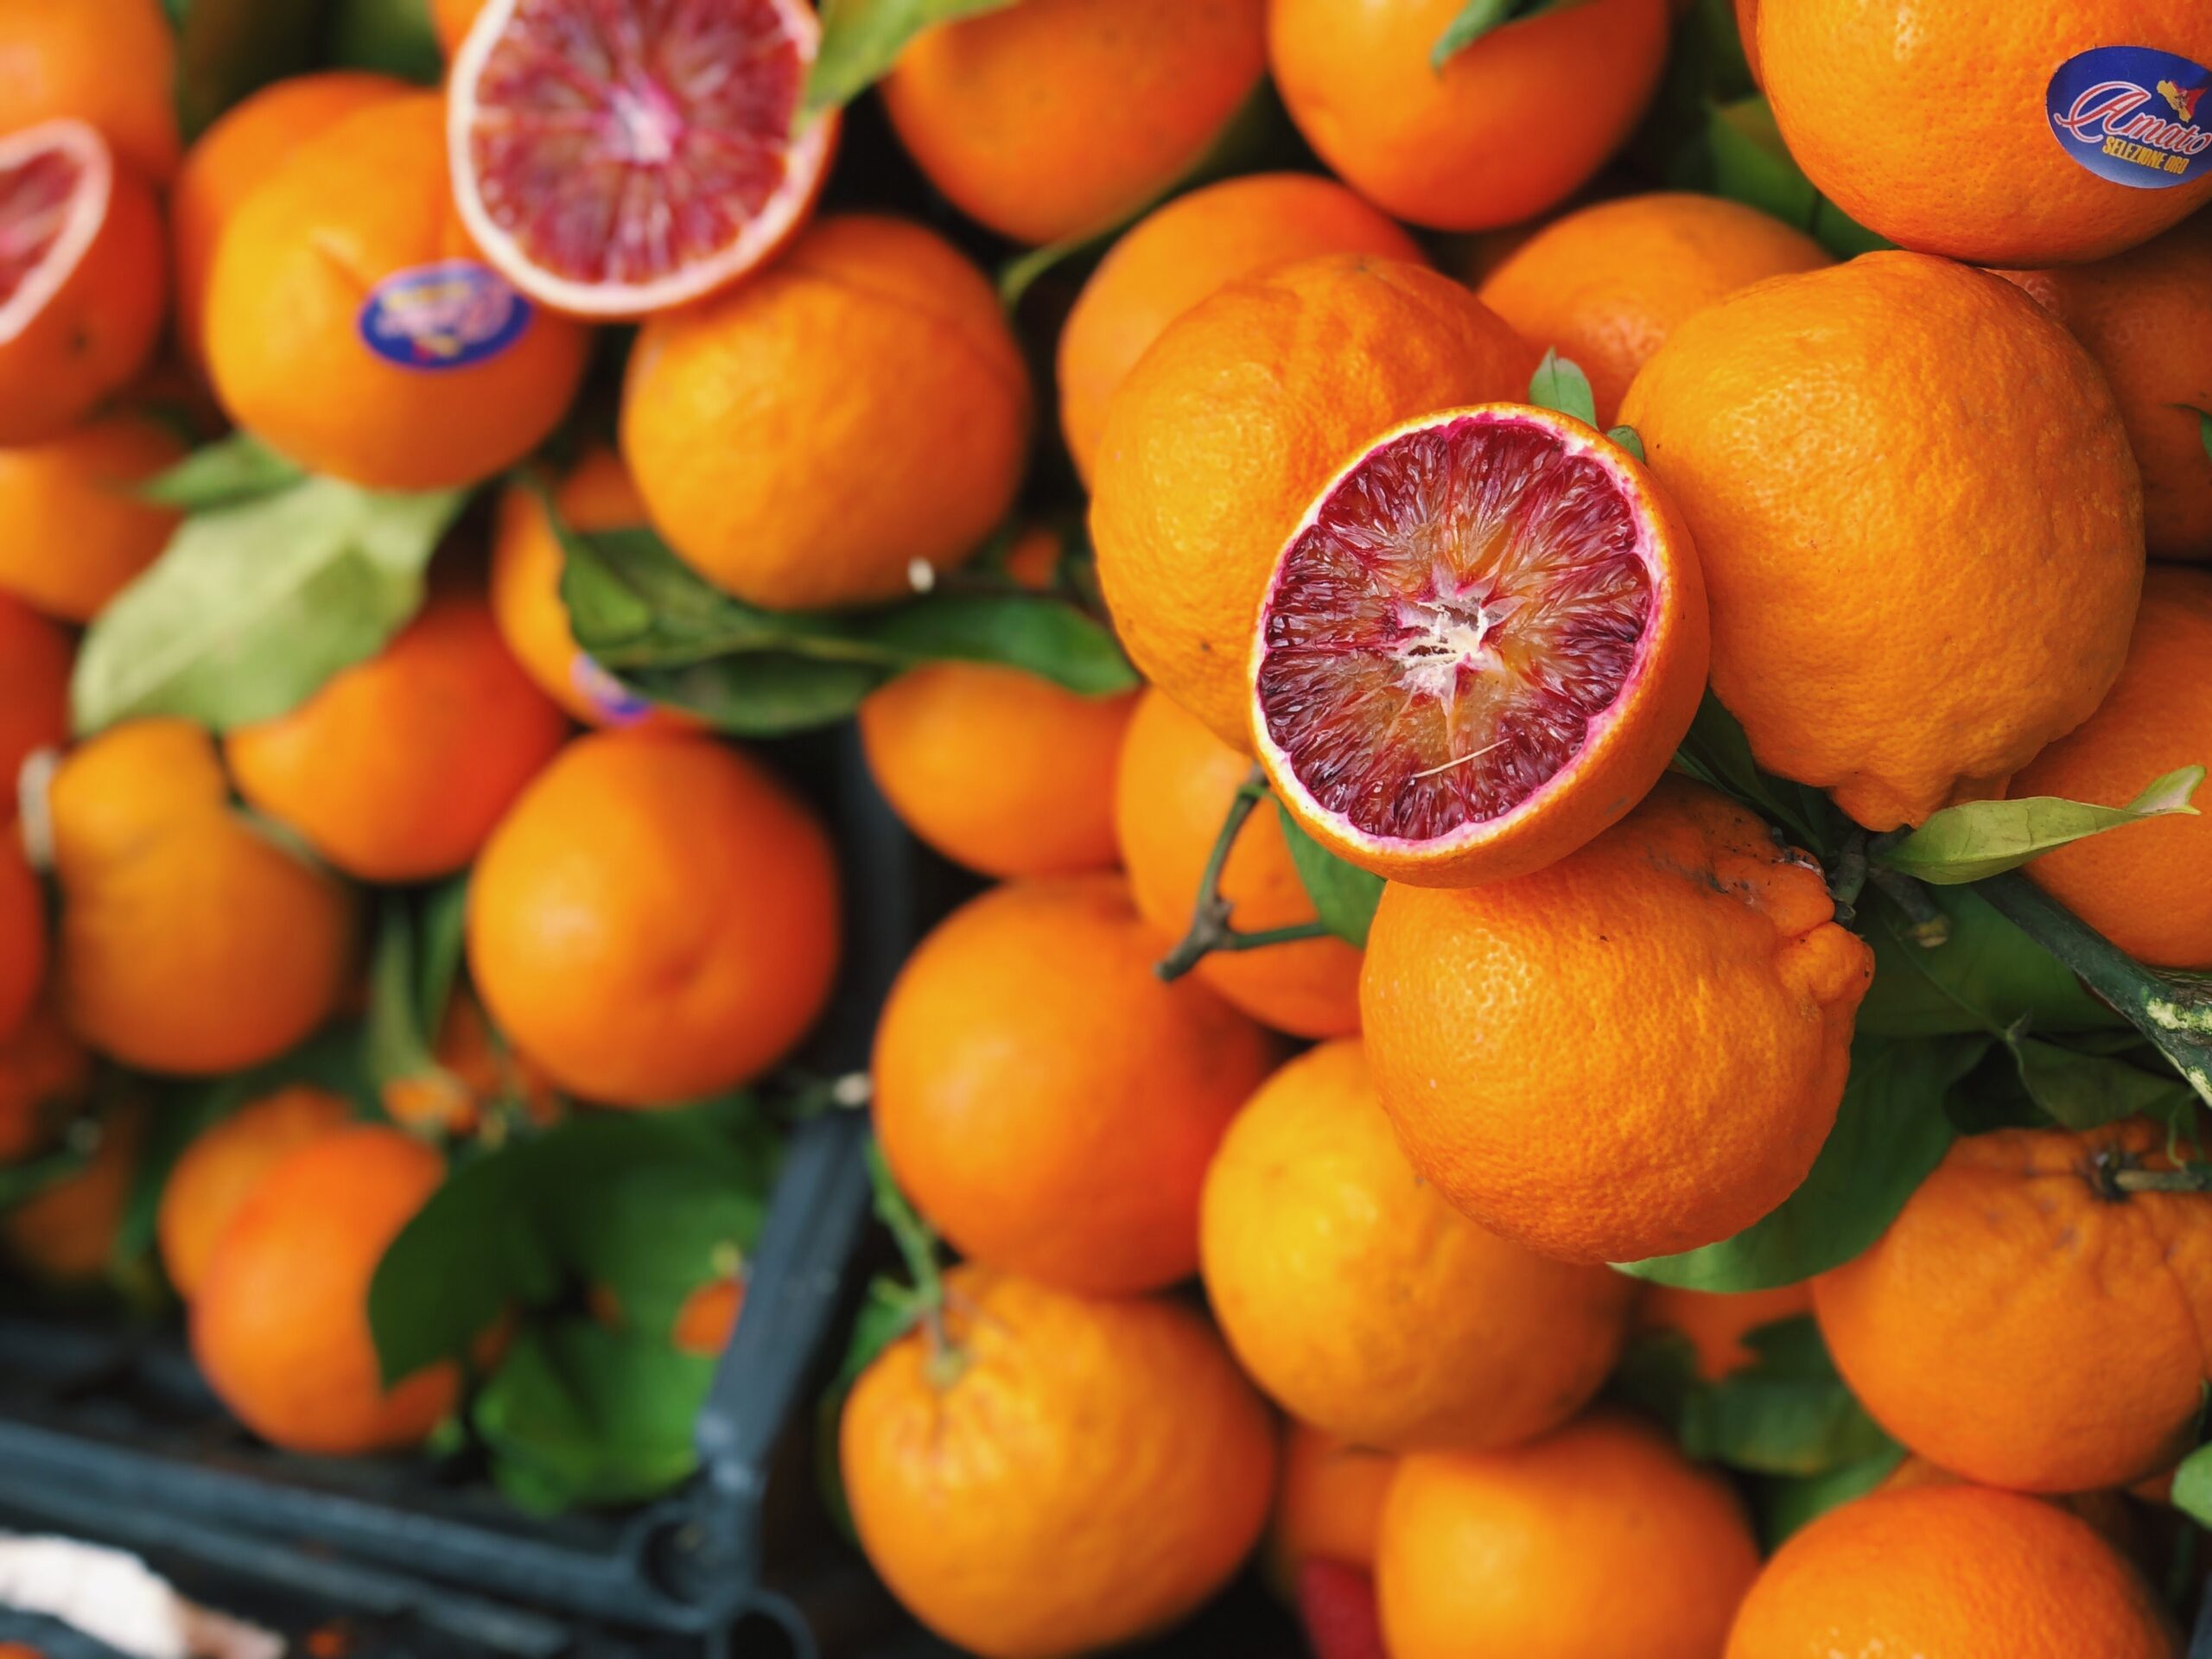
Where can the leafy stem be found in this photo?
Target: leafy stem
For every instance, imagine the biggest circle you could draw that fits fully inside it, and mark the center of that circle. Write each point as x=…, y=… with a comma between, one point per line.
x=1210, y=928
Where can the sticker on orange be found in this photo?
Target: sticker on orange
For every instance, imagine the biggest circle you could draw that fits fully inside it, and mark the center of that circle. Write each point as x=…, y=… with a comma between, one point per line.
x=616, y=702
x=2131, y=114
x=442, y=316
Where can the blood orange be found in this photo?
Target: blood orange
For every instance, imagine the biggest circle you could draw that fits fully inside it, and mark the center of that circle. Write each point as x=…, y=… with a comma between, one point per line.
x=1479, y=647
x=613, y=157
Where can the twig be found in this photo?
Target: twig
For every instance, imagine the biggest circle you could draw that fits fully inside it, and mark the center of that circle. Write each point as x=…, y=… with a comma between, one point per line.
x=1210, y=928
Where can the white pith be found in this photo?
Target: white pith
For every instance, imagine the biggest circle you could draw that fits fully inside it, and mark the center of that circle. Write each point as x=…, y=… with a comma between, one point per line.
x=87, y=212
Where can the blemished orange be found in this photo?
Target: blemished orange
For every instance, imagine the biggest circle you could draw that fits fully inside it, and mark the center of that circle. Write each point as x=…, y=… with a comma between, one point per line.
x=1598, y=1542
x=43, y=1074
x=1366, y=1305
x=1172, y=796
x=2010, y=1277
x=1902, y=636
x=1487, y=140
x=783, y=475
x=355, y=235
x=65, y=1234
x=72, y=531
x=238, y=153
x=1959, y=1570
x=1606, y=284
x=1512, y=1027
x=1059, y=1474
x=217, y=1174
x=1328, y=1504
x=35, y=663
x=1928, y=121
x=1053, y=119
x=190, y=940
x=110, y=62
x=2142, y=887
x=1715, y=1323
x=1185, y=250
x=1047, y=1102
x=656, y=919
x=22, y=930
x=398, y=768
x=2145, y=315
x=280, y=1323
x=1235, y=417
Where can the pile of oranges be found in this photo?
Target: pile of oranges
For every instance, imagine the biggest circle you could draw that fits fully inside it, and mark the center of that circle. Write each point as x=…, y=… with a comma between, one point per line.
x=1584, y=1029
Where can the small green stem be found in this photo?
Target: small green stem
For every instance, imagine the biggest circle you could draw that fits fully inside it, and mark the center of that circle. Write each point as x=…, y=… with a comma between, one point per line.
x=1210, y=929
x=916, y=1242
x=1848, y=879
x=1930, y=926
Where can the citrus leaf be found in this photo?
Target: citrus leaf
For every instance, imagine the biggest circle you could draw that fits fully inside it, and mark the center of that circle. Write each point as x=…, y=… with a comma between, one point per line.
x=1750, y=164
x=1716, y=753
x=1788, y=1504
x=762, y=693
x=1479, y=17
x=444, y=921
x=1344, y=896
x=251, y=607
x=237, y=469
x=2083, y=1091
x=392, y=37
x=2192, y=1489
x=1560, y=383
x=1988, y=976
x=1628, y=438
x=467, y=1256
x=226, y=48
x=2204, y=425
x=1979, y=839
x=861, y=39
x=1786, y=1412
x=1040, y=635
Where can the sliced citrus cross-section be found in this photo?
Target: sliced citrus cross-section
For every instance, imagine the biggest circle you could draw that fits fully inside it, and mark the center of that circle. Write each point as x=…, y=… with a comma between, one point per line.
x=1479, y=648
x=616, y=157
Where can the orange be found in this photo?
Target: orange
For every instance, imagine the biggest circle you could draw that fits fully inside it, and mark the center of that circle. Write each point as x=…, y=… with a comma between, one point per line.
x=1508, y=128
x=1958, y=1571
x=398, y=767
x=64, y=1235
x=1513, y=1029
x=655, y=921
x=1905, y=637
x=525, y=592
x=1599, y=1542
x=1061, y=1474
x=330, y=250
x=2010, y=1278
x=1928, y=121
x=1747, y=33
x=35, y=663
x=1328, y=1504
x=476, y=1070
x=1187, y=249
x=190, y=940
x=2145, y=315
x=2142, y=887
x=111, y=62
x=43, y=1074
x=1171, y=798
x=223, y=1165
x=1056, y=117
x=280, y=1321
x=808, y=436
x=1367, y=1306
x=1045, y=1101
x=1232, y=421
x=2107, y=1511
x=1715, y=1323
x=234, y=156
x=22, y=931
x=707, y=1316
x=1606, y=284
x=72, y=534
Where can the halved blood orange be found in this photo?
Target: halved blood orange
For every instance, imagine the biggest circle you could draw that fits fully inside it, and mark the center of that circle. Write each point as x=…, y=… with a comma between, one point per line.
x=82, y=277
x=616, y=157
x=1479, y=648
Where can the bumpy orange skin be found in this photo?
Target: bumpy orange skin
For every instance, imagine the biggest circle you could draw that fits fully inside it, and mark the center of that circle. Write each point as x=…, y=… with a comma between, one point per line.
x=656, y=919
x=1171, y=798
x=2107, y=1511
x=2146, y=317
x=233, y=157
x=72, y=534
x=1925, y=119
x=785, y=477
x=1716, y=1322
x=1238, y=413
x=1328, y=1504
x=35, y=663
x=190, y=942
x=1512, y=1027
x=2143, y=886
x=1959, y=1571
x=111, y=62
x=280, y=1325
x=1089, y=1470
x=223, y=1165
x=398, y=768
x=1187, y=248
x=1056, y=117
x=1599, y=1542
x=1045, y=1100
x=1508, y=128
x=1366, y=1305
x=1905, y=637
x=22, y=931
x=43, y=1074
x=1606, y=284
x=2011, y=1278
x=363, y=200
x=64, y=1235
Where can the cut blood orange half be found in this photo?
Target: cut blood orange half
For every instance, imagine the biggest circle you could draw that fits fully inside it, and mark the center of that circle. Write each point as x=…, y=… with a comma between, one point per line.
x=615, y=157
x=1479, y=647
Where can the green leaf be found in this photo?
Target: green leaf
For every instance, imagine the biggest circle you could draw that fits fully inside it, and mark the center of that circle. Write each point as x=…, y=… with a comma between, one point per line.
x=2192, y=1492
x=226, y=48
x=1979, y=839
x=1750, y=164
x=861, y=39
x=1628, y=438
x=444, y=921
x=408, y=981
x=1344, y=896
x=392, y=37
x=1891, y=1130
x=237, y=469
x=1786, y=1412
x=1988, y=976
x=1479, y=17
x=1036, y=633
x=251, y=607
x=762, y=694
x=468, y=1255
x=1787, y=1504
x=2082, y=1090
x=1718, y=755
x=1560, y=383
x=2204, y=425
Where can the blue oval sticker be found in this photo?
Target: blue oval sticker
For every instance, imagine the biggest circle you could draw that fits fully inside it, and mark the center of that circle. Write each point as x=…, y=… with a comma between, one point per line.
x=2131, y=114
x=614, y=702
x=442, y=316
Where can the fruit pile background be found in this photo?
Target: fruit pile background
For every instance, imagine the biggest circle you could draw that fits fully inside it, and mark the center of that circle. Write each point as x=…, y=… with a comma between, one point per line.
x=1564, y=646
